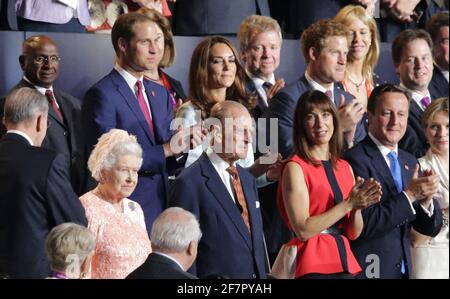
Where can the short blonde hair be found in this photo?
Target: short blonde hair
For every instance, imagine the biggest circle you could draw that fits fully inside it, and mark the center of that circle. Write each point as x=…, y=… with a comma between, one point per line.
x=68, y=239
x=254, y=25
x=436, y=106
x=109, y=148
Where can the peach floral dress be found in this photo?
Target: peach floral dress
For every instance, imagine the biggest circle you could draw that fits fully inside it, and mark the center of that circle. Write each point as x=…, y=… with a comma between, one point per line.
x=122, y=239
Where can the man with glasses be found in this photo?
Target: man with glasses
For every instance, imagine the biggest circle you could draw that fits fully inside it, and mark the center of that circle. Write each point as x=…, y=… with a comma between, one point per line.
x=40, y=62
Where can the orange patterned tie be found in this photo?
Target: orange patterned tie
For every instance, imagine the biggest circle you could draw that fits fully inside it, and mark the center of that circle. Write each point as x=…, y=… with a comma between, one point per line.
x=239, y=193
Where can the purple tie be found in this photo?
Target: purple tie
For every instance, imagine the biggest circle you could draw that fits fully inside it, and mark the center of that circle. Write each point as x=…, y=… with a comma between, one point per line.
x=425, y=102
x=329, y=94
x=143, y=105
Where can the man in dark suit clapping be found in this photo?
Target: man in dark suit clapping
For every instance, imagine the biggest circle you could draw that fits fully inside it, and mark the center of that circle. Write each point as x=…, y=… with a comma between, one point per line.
x=35, y=191
x=383, y=248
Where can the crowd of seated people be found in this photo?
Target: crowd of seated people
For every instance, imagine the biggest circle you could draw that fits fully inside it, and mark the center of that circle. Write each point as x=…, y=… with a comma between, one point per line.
x=157, y=182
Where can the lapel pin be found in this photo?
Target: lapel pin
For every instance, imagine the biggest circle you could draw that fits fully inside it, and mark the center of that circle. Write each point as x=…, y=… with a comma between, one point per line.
x=153, y=93
x=406, y=167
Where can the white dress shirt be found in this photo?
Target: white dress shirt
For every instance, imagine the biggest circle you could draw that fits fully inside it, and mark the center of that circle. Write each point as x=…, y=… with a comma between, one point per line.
x=316, y=86
x=417, y=97
x=259, y=86
x=131, y=82
x=221, y=166
x=42, y=90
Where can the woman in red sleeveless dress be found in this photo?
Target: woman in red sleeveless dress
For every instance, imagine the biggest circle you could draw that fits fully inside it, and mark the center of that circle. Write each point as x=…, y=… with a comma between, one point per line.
x=318, y=196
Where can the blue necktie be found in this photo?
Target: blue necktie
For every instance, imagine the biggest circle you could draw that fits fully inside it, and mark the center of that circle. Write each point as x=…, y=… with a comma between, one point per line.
x=397, y=176
x=396, y=171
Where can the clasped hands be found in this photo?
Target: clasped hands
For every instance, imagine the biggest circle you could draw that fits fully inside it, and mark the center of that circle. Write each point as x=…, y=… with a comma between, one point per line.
x=364, y=193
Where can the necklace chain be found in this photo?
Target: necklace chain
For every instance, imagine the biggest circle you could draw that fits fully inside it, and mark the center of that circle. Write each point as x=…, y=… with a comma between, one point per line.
x=358, y=85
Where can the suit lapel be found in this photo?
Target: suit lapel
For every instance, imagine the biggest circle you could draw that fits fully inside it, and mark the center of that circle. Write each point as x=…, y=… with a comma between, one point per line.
x=407, y=170
x=220, y=192
x=65, y=111
x=337, y=95
x=379, y=163
x=129, y=97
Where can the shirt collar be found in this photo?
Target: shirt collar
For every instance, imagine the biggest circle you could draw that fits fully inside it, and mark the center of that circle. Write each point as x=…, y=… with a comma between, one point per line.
x=23, y=134
x=258, y=81
x=129, y=78
x=416, y=96
x=219, y=164
x=316, y=86
x=170, y=258
x=38, y=88
x=383, y=149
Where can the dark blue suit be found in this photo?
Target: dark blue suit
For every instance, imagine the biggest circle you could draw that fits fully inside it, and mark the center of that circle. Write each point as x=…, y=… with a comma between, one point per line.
x=387, y=225
x=35, y=196
x=414, y=141
x=438, y=86
x=226, y=246
x=109, y=104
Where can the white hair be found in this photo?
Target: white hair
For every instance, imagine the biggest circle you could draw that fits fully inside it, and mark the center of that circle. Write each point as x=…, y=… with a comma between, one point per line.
x=174, y=229
x=109, y=148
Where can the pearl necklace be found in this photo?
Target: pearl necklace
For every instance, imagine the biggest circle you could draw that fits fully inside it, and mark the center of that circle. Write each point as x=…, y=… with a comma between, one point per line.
x=358, y=85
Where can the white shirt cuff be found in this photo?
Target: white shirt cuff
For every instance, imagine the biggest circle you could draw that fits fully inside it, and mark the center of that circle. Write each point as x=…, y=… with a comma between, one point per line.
x=410, y=203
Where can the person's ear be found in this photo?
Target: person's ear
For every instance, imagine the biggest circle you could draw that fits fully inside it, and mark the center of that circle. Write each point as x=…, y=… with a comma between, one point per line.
x=22, y=60
x=313, y=54
x=39, y=123
x=122, y=43
x=85, y=267
x=192, y=248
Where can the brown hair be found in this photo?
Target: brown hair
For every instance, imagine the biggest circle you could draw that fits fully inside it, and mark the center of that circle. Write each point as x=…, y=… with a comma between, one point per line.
x=379, y=91
x=199, y=93
x=346, y=15
x=307, y=102
x=164, y=24
x=405, y=37
x=436, y=22
x=436, y=106
x=123, y=28
x=254, y=25
x=315, y=35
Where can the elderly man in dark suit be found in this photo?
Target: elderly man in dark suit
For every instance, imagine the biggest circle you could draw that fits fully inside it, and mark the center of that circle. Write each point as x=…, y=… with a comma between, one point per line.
x=175, y=236
x=123, y=99
x=35, y=191
x=383, y=249
x=40, y=62
x=223, y=196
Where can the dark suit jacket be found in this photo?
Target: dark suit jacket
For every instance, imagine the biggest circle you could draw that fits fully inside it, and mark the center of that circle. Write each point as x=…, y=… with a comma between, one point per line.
x=282, y=107
x=203, y=17
x=66, y=138
x=414, y=141
x=109, y=104
x=226, y=246
x=438, y=86
x=387, y=225
x=157, y=266
x=35, y=196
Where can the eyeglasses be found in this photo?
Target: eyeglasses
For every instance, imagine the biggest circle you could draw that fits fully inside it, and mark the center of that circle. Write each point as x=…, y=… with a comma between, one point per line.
x=41, y=59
